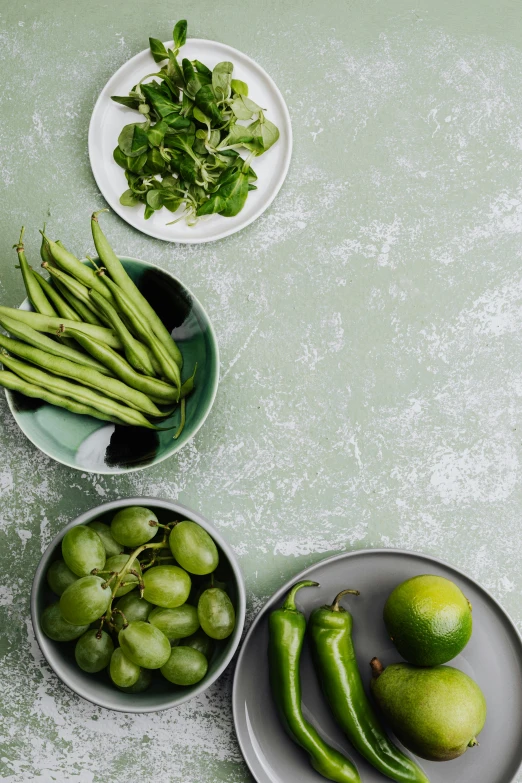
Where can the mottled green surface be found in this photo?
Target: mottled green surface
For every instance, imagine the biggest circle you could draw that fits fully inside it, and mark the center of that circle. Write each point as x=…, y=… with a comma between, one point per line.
x=370, y=325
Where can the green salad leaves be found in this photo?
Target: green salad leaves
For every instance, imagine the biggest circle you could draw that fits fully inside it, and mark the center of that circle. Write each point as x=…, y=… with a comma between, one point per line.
x=185, y=150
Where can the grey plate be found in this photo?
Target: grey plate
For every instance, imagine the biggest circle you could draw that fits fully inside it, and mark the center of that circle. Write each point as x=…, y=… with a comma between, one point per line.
x=493, y=658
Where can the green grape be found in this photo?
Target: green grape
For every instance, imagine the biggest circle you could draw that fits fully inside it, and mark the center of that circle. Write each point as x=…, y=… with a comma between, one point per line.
x=208, y=583
x=93, y=651
x=57, y=628
x=144, y=644
x=60, y=576
x=82, y=550
x=175, y=623
x=185, y=666
x=133, y=607
x=132, y=526
x=200, y=641
x=130, y=581
x=142, y=683
x=124, y=673
x=109, y=544
x=193, y=548
x=85, y=600
x=216, y=613
x=167, y=586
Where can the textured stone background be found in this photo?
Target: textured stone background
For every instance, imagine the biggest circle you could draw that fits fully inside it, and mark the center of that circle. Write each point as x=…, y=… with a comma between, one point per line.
x=370, y=326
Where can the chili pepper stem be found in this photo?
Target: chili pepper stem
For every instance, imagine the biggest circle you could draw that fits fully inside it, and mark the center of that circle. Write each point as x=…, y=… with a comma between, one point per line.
x=335, y=606
x=289, y=602
x=376, y=667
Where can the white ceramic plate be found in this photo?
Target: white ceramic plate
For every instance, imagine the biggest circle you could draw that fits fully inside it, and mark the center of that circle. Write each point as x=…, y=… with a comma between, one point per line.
x=108, y=118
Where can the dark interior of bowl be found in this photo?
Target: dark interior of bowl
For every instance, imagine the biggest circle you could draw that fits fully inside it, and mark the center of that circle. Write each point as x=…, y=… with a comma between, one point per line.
x=90, y=444
x=99, y=685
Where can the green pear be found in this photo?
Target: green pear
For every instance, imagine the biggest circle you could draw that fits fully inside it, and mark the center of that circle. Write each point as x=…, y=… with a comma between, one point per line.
x=435, y=712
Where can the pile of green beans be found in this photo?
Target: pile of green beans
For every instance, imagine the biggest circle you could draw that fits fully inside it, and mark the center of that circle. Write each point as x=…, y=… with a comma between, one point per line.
x=93, y=345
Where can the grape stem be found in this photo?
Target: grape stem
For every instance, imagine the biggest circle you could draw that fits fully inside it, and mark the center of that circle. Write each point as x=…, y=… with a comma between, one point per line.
x=107, y=617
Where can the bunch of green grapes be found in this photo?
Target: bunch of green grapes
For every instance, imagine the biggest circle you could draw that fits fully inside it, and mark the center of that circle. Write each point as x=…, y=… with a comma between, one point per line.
x=137, y=596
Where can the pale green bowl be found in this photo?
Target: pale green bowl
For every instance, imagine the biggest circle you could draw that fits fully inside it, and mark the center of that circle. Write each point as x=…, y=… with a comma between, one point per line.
x=98, y=447
x=97, y=688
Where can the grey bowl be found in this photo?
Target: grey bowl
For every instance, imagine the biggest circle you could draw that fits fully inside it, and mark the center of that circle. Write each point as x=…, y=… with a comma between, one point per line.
x=97, y=688
x=493, y=658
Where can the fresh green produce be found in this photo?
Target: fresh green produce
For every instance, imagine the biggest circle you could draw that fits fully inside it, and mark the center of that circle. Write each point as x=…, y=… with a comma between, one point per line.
x=85, y=600
x=124, y=673
x=131, y=579
x=134, y=595
x=175, y=623
x=185, y=666
x=144, y=644
x=110, y=544
x=216, y=613
x=184, y=151
x=91, y=314
x=60, y=576
x=93, y=651
x=330, y=629
x=142, y=683
x=167, y=586
x=435, y=712
x=82, y=550
x=200, y=641
x=134, y=526
x=429, y=620
x=56, y=628
x=193, y=548
x=287, y=627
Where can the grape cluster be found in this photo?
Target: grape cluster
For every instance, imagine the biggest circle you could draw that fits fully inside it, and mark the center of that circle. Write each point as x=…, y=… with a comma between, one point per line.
x=138, y=595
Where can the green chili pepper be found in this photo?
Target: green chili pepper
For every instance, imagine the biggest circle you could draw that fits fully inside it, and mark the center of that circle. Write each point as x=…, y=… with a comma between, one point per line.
x=287, y=627
x=330, y=628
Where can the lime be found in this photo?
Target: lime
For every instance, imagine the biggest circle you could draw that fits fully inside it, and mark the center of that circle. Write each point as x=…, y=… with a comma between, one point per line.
x=428, y=619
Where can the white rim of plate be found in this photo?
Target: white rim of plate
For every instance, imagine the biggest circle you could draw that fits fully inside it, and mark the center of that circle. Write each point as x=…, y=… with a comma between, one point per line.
x=120, y=210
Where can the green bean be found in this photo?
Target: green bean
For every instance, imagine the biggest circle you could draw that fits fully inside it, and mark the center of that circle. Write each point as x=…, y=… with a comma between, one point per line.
x=84, y=314
x=59, y=303
x=74, y=267
x=76, y=392
x=57, y=348
x=156, y=390
x=188, y=387
x=182, y=419
x=45, y=252
x=168, y=366
x=36, y=296
x=81, y=302
x=117, y=272
x=57, y=365
x=44, y=323
x=11, y=381
x=134, y=351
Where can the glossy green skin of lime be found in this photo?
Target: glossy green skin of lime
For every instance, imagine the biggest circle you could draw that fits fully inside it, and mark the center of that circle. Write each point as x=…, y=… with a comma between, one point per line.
x=85, y=600
x=429, y=620
x=167, y=586
x=175, y=623
x=123, y=672
x=193, y=548
x=185, y=666
x=93, y=652
x=57, y=628
x=133, y=607
x=130, y=581
x=144, y=644
x=82, y=550
x=201, y=642
x=110, y=545
x=216, y=613
x=60, y=576
x=142, y=683
x=436, y=712
x=131, y=526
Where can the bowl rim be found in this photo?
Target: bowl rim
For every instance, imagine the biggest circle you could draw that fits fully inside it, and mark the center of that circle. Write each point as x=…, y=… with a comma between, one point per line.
x=26, y=305
x=89, y=516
